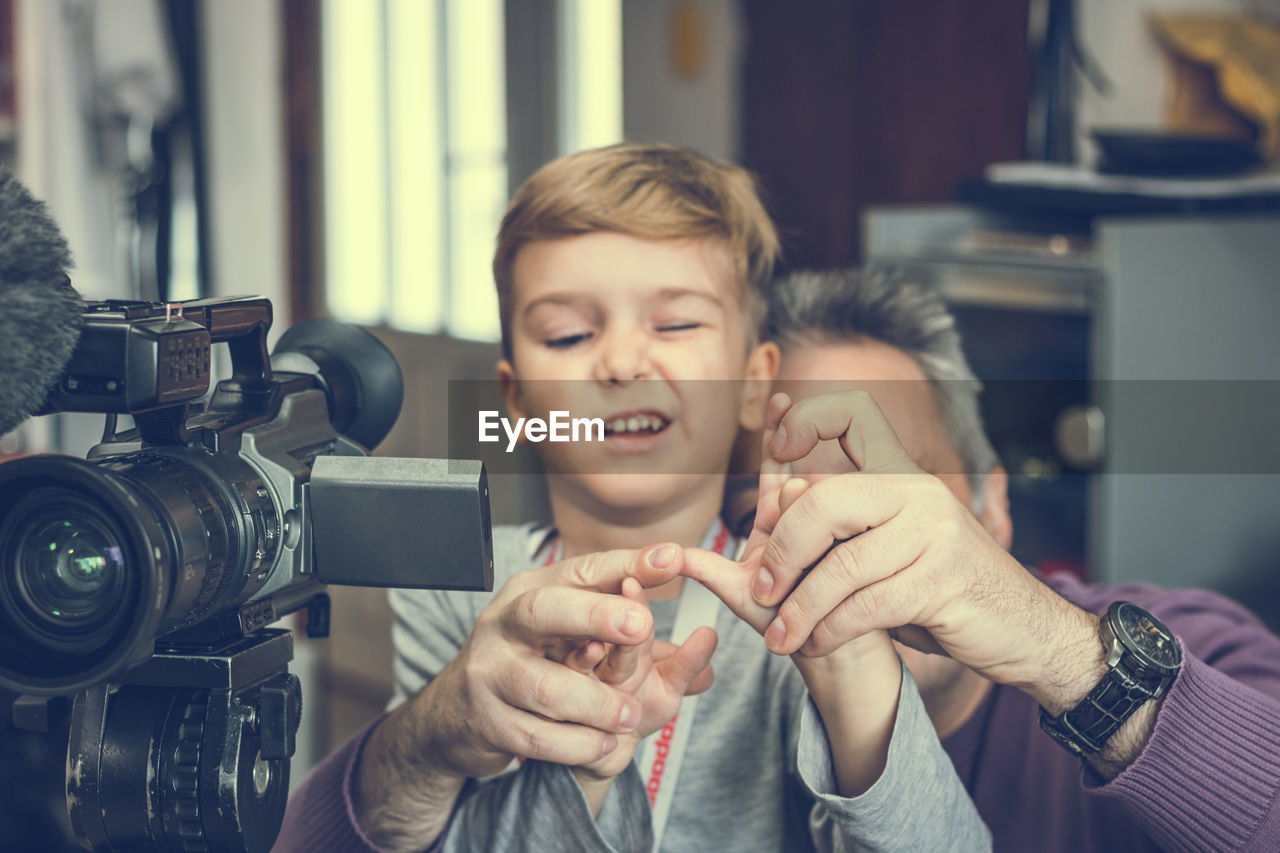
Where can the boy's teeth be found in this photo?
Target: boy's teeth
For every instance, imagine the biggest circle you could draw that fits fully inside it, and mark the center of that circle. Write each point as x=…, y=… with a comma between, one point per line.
x=637, y=423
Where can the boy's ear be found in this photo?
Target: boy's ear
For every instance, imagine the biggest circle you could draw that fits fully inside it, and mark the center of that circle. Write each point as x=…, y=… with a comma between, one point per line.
x=762, y=366
x=509, y=384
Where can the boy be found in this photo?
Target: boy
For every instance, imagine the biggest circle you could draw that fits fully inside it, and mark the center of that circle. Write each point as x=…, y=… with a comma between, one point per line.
x=629, y=284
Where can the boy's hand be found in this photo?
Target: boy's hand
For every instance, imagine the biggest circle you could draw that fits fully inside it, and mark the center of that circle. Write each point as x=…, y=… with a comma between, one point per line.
x=657, y=673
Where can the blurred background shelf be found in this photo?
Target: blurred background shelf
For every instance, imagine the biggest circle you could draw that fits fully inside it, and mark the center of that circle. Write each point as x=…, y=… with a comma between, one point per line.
x=1130, y=299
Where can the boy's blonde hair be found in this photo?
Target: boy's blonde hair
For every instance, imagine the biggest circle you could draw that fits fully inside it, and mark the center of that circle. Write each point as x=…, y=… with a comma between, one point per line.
x=648, y=190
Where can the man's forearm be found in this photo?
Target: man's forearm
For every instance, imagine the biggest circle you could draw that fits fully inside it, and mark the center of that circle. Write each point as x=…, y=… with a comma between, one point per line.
x=401, y=796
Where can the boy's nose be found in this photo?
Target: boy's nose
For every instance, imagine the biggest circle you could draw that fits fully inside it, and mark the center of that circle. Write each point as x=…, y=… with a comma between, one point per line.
x=624, y=358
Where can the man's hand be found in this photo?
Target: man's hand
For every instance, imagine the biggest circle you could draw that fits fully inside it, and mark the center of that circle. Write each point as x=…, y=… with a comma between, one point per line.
x=505, y=693
x=890, y=547
x=855, y=686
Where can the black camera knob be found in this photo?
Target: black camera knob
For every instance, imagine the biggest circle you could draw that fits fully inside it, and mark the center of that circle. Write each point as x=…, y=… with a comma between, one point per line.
x=279, y=713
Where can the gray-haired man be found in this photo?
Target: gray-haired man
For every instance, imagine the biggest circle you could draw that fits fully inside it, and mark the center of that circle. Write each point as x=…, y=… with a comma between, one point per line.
x=1180, y=737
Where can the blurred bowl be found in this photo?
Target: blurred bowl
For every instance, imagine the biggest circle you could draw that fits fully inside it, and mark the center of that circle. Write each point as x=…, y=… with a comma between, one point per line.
x=1151, y=152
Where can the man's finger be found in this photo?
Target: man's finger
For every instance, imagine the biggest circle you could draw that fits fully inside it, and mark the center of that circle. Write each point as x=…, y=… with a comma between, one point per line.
x=554, y=691
x=888, y=604
x=731, y=583
x=604, y=571
x=531, y=736
x=829, y=511
x=846, y=568
x=548, y=614
x=852, y=417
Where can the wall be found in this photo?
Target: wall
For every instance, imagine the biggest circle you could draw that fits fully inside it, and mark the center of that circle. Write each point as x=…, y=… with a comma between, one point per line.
x=660, y=104
x=244, y=124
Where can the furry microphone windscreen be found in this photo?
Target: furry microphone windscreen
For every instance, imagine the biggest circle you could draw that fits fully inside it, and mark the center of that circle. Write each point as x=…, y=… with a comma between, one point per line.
x=40, y=312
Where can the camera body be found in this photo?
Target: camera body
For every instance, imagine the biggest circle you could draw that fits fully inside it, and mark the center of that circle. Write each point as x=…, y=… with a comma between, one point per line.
x=143, y=578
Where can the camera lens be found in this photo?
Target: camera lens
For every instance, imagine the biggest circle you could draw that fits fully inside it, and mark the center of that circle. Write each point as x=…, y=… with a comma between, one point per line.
x=69, y=577
x=99, y=559
x=83, y=575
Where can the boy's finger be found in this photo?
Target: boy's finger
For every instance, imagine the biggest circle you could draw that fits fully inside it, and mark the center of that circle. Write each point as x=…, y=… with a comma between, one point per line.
x=619, y=665
x=731, y=583
x=623, y=661
x=791, y=492
x=586, y=657
x=779, y=404
x=690, y=660
x=773, y=473
x=545, y=615
x=853, y=417
x=701, y=682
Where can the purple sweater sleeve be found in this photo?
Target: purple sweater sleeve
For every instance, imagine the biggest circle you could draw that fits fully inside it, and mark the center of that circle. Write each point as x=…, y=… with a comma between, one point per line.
x=319, y=817
x=1209, y=775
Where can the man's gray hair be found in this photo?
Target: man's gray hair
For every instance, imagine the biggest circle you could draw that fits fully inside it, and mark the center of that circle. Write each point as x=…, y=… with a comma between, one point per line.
x=850, y=306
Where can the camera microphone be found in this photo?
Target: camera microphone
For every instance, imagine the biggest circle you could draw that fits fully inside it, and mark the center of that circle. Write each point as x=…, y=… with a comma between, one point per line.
x=40, y=312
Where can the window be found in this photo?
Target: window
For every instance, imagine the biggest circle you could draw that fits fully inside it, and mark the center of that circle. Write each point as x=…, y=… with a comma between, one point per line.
x=416, y=144
x=590, y=73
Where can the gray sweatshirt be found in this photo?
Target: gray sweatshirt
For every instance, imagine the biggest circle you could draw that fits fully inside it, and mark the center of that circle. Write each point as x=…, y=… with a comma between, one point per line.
x=757, y=773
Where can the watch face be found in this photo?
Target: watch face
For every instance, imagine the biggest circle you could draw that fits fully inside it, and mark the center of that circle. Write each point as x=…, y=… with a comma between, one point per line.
x=1148, y=636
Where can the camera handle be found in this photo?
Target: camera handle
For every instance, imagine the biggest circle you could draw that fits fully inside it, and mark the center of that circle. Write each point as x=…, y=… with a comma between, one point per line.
x=201, y=735
x=241, y=324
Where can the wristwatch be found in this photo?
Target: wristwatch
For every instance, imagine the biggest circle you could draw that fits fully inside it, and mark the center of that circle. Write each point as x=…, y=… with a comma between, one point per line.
x=1143, y=658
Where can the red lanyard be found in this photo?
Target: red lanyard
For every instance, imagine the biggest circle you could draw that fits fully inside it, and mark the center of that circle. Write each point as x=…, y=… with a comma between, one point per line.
x=664, y=753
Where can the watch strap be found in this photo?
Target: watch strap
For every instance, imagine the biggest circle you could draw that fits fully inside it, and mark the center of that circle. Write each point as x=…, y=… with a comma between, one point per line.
x=1132, y=678
x=1087, y=727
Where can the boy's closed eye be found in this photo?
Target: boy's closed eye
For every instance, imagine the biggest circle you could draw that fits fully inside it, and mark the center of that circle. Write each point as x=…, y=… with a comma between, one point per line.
x=567, y=341
x=683, y=311
x=561, y=323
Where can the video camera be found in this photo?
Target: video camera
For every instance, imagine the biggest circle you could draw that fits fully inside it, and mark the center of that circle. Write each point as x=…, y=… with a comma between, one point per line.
x=143, y=578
